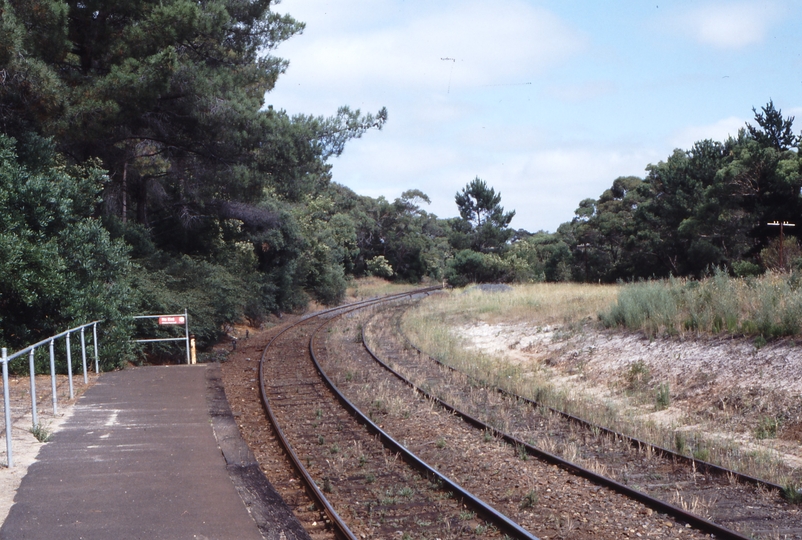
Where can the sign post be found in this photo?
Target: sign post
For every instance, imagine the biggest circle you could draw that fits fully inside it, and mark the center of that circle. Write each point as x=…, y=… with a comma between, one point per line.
x=170, y=320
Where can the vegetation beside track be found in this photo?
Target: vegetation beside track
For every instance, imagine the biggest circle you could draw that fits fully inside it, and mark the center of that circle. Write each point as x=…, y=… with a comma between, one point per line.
x=747, y=431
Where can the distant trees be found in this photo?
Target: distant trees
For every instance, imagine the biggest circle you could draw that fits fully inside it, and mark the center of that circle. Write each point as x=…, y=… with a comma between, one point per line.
x=702, y=208
x=479, y=237
x=484, y=222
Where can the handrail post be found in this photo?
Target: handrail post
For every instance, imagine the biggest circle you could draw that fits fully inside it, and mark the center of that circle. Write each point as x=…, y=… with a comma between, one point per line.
x=53, y=378
x=94, y=346
x=34, y=416
x=83, y=354
x=186, y=329
x=7, y=407
x=69, y=366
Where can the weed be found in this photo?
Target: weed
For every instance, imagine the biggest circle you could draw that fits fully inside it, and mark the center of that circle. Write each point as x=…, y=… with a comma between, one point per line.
x=701, y=454
x=488, y=435
x=679, y=442
x=441, y=442
x=370, y=478
x=467, y=515
x=406, y=536
x=523, y=455
x=349, y=376
x=768, y=428
x=759, y=342
x=362, y=460
x=405, y=491
x=380, y=406
x=318, y=413
x=638, y=375
x=327, y=487
x=663, y=397
x=335, y=449
x=388, y=498
x=792, y=493
x=41, y=433
x=321, y=440
x=529, y=500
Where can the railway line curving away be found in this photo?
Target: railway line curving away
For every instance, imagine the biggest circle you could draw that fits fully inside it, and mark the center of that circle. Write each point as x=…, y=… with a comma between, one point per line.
x=347, y=474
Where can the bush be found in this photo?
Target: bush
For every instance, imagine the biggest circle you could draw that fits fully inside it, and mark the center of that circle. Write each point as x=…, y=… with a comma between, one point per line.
x=473, y=267
x=59, y=267
x=380, y=267
x=768, y=306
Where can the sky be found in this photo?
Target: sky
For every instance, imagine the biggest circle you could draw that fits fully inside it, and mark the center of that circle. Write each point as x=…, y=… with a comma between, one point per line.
x=547, y=101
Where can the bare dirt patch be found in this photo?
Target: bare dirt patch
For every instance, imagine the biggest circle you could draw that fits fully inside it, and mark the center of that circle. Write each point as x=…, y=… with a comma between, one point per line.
x=725, y=387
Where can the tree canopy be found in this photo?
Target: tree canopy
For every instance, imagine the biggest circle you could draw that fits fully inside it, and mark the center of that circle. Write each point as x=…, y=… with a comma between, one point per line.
x=141, y=172
x=483, y=216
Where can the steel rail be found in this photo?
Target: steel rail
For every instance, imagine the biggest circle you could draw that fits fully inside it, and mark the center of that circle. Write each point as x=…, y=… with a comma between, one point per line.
x=656, y=504
x=338, y=523
x=504, y=523
x=704, y=466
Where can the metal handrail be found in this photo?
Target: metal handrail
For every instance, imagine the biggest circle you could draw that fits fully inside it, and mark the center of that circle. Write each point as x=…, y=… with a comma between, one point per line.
x=5, y=358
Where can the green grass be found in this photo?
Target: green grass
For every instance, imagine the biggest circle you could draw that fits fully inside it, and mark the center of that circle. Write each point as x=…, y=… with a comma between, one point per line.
x=768, y=428
x=766, y=307
x=662, y=397
x=41, y=433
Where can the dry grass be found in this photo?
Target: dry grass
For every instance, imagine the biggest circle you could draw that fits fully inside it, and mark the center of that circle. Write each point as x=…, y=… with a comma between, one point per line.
x=370, y=287
x=430, y=325
x=542, y=303
x=769, y=306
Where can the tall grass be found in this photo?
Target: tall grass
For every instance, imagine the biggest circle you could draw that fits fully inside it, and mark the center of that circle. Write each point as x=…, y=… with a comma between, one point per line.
x=369, y=287
x=541, y=304
x=769, y=306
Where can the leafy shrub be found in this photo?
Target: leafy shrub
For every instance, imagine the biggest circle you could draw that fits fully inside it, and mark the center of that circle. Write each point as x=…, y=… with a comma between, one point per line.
x=379, y=266
x=59, y=267
x=473, y=267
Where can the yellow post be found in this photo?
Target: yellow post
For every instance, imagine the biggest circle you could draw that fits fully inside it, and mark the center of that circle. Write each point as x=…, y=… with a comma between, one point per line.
x=192, y=356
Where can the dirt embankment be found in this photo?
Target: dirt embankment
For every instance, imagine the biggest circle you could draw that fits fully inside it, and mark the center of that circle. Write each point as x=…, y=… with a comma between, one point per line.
x=727, y=387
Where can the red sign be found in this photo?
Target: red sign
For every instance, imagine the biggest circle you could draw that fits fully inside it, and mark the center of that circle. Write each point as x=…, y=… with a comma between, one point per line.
x=171, y=320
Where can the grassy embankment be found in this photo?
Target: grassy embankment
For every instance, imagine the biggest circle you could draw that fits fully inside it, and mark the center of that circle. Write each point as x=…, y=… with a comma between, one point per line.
x=371, y=287
x=759, y=309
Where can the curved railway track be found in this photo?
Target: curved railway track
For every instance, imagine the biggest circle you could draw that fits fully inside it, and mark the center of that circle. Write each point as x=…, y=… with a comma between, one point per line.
x=368, y=491
x=377, y=494
x=655, y=475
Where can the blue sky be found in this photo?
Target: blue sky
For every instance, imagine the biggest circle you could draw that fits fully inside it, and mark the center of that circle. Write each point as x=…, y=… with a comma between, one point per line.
x=547, y=101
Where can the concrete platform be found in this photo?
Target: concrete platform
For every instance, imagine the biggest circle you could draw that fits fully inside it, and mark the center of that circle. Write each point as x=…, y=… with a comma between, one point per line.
x=139, y=459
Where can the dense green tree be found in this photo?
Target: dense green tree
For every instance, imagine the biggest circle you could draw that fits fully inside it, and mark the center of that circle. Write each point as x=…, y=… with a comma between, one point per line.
x=774, y=131
x=702, y=208
x=411, y=240
x=483, y=219
x=58, y=266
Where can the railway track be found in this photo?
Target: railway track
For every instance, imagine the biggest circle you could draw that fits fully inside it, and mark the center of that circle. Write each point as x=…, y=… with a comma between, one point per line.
x=346, y=465
x=376, y=493
x=754, y=507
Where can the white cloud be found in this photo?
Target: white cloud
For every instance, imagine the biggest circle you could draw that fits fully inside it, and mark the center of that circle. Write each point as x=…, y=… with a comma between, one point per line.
x=730, y=25
x=717, y=131
x=542, y=184
x=502, y=43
